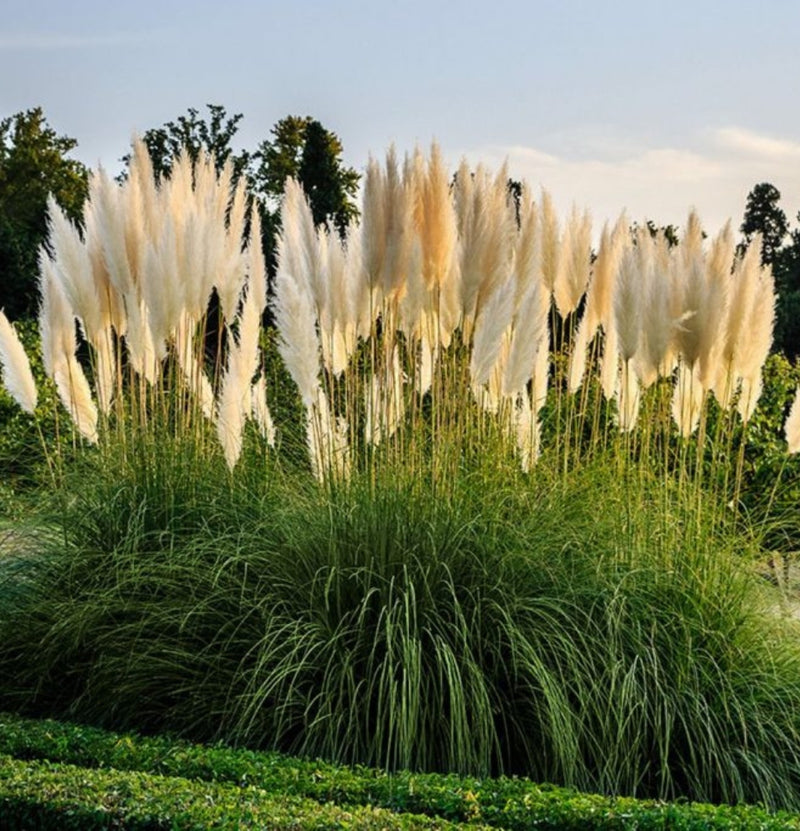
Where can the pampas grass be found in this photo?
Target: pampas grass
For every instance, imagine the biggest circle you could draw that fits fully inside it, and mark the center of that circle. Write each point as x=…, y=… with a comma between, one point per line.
x=16, y=368
x=462, y=530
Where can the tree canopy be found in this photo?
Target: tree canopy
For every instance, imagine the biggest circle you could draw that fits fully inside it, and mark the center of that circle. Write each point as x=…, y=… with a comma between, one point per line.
x=781, y=250
x=33, y=164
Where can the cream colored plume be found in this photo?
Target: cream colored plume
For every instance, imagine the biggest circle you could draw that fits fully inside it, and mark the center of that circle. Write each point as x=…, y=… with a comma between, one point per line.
x=791, y=430
x=628, y=304
x=487, y=229
x=56, y=320
x=551, y=241
x=327, y=441
x=527, y=433
x=76, y=396
x=260, y=410
x=628, y=397
x=574, y=263
x=491, y=323
x=74, y=269
x=16, y=368
x=528, y=330
x=600, y=293
x=653, y=357
x=691, y=303
x=719, y=265
x=687, y=399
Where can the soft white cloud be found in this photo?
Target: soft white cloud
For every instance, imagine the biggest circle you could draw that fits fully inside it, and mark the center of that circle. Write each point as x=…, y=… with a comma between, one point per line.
x=714, y=175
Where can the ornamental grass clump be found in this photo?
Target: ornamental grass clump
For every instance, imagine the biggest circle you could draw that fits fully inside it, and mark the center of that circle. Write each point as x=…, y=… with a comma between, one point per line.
x=483, y=524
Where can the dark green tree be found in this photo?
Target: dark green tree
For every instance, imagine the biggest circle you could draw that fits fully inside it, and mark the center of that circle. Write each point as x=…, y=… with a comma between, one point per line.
x=763, y=214
x=33, y=163
x=302, y=148
x=195, y=134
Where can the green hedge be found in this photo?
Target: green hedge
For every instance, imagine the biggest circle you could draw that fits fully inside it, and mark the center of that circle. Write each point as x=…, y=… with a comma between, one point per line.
x=231, y=781
x=48, y=795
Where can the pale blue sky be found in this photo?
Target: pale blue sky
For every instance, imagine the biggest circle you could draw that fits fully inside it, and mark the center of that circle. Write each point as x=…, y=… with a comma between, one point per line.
x=649, y=106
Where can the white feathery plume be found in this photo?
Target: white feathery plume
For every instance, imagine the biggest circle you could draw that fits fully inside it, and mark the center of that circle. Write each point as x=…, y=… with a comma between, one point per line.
x=541, y=374
x=436, y=225
x=600, y=294
x=628, y=397
x=529, y=327
x=550, y=237
x=527, y=258
x=373, y=221
x=112, y=305
x=231, y=277
x=295, y=318
x=574, y=263
x=231, y=412
x=486, y=234
x=16, y=368
x=160, y=288
x=628, y=302
x=692, y=293
x=56, y=319
x=110, y=224
x=528, y=434
x=398, y=229
x=74, y=269
x=577, y=358
x=491, y=323
x=75, y=394
x=256, y=267
x=260, y=410
x=735, y=334
x=426, y=362
x=760, y=324
x=791, y=429
x=687, y=399
x=105, y=369
x=386, y=405
x=327, y=441
x=749, y=393
x=657, y=326
x=719, y=264
x=609, y=364
x=192, y=367
x=141, y=172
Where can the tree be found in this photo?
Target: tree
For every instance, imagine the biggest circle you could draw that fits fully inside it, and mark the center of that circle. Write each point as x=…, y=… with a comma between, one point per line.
x=33, y=164
x=762, y=214
x=302, y=148
x=195, y=134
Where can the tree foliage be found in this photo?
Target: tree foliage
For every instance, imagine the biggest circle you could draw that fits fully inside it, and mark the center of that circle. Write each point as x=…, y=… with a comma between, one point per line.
x=780, y=248
x=762, y=214
x=33, y=163
x=194, y=134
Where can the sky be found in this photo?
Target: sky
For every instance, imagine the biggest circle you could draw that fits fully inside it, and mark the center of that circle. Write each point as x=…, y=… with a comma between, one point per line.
x=645, y=106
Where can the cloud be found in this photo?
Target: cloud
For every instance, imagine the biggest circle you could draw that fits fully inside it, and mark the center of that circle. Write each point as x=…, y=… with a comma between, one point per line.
x=713, y=173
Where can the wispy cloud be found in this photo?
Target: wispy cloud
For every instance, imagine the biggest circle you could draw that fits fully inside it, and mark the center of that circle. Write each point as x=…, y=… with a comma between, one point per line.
x=713, y=175
x=53, y=40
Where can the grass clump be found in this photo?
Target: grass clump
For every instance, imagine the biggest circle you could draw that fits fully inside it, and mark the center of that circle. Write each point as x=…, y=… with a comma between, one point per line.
x=487, y=529
x=555, y=631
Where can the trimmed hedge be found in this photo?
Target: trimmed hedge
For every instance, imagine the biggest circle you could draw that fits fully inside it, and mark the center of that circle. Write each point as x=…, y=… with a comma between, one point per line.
x=46, y=795
x=272, y=783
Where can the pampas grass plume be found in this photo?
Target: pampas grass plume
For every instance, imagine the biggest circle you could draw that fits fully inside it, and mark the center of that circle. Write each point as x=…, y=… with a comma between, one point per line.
x=16, y=368
x=791, y=429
